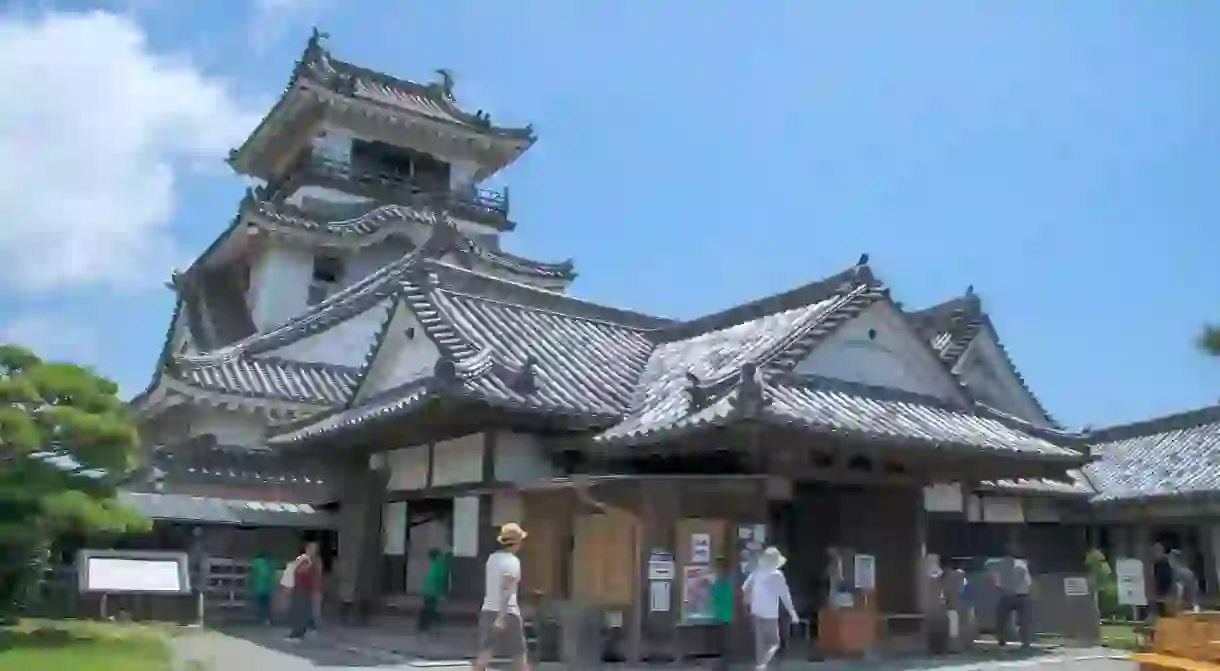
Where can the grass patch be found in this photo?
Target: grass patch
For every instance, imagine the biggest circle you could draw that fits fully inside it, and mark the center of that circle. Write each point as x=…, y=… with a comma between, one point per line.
x=81, y=645
x=1120, y=636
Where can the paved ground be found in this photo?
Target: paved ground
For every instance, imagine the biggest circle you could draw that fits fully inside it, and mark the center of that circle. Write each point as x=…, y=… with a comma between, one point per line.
x=265, y=650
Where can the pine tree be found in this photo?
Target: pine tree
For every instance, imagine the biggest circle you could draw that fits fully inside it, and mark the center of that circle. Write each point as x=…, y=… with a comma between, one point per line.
x=65, y=445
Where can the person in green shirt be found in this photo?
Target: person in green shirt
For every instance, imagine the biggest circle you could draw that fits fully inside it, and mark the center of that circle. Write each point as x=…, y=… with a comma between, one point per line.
x=722, y=607
x=436, y=584
x=261, y=580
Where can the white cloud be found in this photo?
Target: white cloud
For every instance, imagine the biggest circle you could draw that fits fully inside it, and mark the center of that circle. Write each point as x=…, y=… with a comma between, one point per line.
x=95, y=130
x=52, y=338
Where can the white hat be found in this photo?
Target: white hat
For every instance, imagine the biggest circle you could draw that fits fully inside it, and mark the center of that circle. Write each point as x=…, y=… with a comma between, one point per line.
x=772, y=558
x=511, y=533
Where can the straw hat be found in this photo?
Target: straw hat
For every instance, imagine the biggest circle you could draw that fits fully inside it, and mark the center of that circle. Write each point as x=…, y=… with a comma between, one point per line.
x=772, y=558
x=511, y=533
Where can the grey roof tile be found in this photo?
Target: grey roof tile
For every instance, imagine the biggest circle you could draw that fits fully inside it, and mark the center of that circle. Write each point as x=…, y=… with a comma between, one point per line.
x=951, y=326
x=208, y=510
x=273, y=378
x=885, y=413
x=380, y=221
x=1177, y=455
x=202, y=461
x=1078, y=485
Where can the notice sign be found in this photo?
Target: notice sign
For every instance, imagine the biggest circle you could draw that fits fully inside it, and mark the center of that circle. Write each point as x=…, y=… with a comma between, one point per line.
x=1129, y=573
x=660, y=565
x=116, y=572
x=865, y=572
x=700, y=548
x=1075, y=586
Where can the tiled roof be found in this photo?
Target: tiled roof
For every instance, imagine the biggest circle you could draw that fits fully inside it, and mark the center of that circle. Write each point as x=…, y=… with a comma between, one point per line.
x=951, y=326
x=860, y=410
x=650, y=384
x=208, y=510
x=546, y=352
x=272, y=378
x=433, y=101
x=1078, y=486
x=203, y=460
x=1177, y=455
x=382, y=221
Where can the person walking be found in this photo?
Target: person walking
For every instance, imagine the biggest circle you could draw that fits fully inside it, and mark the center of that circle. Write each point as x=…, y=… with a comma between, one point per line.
x=436, y=585
x=1014, y=582
x=500, y=626
x=261, y=581
x=305, y=592
x=722, y=610
x=1164, y=582
x=1186, y=585
x=765, y=590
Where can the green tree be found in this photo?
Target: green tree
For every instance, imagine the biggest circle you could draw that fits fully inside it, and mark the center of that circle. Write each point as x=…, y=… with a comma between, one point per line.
x=1209, y=340
x=65, y=445
x=1103, y=582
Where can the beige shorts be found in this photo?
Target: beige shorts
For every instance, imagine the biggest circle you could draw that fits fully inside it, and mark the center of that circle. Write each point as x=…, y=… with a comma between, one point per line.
x=507, y=642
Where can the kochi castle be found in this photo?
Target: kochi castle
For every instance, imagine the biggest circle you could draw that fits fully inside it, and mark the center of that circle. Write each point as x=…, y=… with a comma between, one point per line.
x=362, y=313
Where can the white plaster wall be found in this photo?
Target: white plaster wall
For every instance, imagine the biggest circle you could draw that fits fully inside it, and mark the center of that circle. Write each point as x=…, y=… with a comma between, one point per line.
x=324, y=193
x=945, y=497
x=402, y=358
x=344, y=344
x=333, y=142
x=983, y=367
x=896, y=358
x=231, y=427
x=408, y=468
x=522, y=457
x=458, y=461
x=279, y=282
x=466, y=526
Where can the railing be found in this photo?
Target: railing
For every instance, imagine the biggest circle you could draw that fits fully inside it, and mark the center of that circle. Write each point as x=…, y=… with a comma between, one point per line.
x=485, y=200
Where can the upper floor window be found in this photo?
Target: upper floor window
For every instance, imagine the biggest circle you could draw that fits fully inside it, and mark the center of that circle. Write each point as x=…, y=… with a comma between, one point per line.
x=423, y=170
x=327, y=271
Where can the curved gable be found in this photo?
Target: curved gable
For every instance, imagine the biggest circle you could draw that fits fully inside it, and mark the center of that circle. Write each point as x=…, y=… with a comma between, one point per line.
x=984, y=367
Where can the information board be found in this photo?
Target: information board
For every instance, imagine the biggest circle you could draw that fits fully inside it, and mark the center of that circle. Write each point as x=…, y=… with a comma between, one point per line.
x=119, y=572
x=1129, y=573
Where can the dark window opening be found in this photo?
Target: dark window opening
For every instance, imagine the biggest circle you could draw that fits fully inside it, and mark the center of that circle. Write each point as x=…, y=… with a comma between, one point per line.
x=327, y=269
x=399, y=163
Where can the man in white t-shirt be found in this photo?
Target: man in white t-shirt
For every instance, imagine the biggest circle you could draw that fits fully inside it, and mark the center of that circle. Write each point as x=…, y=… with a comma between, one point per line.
x=500, y=627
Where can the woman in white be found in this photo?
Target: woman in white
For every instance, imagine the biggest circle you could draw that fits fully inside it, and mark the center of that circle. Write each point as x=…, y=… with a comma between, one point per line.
x=765, y=589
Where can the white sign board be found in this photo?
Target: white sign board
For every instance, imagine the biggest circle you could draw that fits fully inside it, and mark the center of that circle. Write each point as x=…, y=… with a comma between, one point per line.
x=943, y=498
x=866, y=572
x=660, y=566
x=700, y=548
x=116, y=572
x=1076, y=586
x=659, y=596
x=1129, y=573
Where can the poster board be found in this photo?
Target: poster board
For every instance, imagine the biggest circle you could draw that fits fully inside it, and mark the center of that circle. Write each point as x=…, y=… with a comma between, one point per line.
x=1129, y=574
x=697, y=604
x=133, y=572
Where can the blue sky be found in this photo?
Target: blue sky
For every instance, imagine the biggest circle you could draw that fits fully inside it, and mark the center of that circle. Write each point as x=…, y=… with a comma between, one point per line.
x=1062, y=158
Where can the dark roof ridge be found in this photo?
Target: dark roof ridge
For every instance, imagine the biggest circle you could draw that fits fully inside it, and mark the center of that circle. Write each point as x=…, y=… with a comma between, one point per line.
x=788, y=300
x=383, y=220
x=474, y=283
x=318, y=64
x=1178, y=421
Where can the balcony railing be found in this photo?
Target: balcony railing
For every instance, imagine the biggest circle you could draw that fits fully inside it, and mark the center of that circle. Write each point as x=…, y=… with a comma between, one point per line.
x=480, y=200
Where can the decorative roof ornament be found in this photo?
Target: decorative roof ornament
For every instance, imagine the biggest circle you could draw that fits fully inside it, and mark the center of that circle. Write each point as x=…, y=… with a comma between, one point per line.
x=444, y=87
x=863, y=259
x=696, y=395
x=177, y=281
x=751, y=390
x=526, y=380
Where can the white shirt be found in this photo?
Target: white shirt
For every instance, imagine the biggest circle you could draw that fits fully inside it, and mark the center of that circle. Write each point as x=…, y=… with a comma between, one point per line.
x=502, y=566
x=765, y=589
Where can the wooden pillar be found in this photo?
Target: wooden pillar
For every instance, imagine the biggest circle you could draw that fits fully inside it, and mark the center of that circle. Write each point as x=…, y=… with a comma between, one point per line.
x=361, y=499
x=659, y=510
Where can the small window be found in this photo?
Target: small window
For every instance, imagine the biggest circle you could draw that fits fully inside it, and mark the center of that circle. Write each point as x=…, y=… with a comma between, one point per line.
x=327, y=269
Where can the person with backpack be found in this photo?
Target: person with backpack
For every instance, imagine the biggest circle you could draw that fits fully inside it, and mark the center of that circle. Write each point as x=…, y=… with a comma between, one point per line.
x=303, y=580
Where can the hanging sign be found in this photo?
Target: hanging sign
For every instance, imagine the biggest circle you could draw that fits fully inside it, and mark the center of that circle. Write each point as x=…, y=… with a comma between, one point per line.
x=700, y=548
x=1075, y=586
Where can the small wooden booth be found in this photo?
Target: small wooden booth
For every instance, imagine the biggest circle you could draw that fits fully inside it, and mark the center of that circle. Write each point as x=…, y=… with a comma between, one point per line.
x=640, y=554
